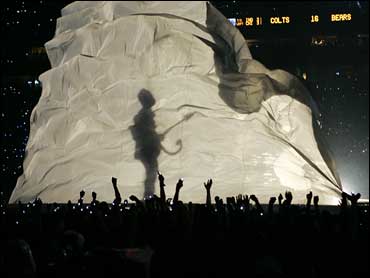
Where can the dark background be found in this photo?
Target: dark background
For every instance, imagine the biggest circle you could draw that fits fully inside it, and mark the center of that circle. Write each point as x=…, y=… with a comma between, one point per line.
x=331, y=58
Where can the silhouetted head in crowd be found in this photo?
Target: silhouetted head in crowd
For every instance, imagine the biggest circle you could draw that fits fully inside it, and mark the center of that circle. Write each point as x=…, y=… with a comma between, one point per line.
x=73, y=243
x=18, y=259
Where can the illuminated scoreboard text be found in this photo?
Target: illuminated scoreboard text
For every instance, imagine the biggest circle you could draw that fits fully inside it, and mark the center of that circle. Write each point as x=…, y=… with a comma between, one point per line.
x=341, y=17
x=283, y=20
x=280, y=20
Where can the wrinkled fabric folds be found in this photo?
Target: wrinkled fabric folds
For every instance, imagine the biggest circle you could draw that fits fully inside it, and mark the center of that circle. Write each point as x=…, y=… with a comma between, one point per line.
x=137, y=87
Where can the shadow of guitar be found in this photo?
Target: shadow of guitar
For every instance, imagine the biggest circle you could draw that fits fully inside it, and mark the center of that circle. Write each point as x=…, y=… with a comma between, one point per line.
x=178, y=142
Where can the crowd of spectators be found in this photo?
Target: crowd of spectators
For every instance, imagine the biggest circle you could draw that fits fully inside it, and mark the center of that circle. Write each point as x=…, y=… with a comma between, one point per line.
x=160, y=237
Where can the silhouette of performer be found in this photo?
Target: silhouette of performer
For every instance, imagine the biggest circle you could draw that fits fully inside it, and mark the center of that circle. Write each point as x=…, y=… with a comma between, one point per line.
x=148, y=142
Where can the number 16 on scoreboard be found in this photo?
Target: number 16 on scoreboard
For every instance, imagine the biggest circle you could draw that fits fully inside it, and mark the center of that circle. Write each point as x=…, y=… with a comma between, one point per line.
x=314, y=18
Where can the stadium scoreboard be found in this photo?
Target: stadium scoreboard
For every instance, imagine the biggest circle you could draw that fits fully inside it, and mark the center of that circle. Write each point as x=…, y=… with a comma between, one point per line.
x=287, y=19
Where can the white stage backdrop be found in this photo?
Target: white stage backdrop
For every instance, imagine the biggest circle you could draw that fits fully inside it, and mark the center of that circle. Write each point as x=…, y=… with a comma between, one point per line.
x=137, y=87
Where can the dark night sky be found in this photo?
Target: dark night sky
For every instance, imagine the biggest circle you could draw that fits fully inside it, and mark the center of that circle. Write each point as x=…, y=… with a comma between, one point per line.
x=337, y=76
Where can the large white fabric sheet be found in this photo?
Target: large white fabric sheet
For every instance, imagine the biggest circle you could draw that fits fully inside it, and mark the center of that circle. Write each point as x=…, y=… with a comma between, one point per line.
x=227, y=117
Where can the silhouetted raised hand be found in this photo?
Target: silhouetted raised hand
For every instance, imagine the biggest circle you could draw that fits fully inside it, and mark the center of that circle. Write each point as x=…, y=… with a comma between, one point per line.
x=254, y=198
x=240, y=201
x=256, y=201
x=280, y=199
x=136, y=200
x=179, y=185
x=246, y=202
x=316, y=200
x=288, y=198
x=208, y=186
x=309, y=199
x=316, y=204
x=162, y=193
x=161, y=179
x=117, y=199
x=272, y=200
x=271, y=204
